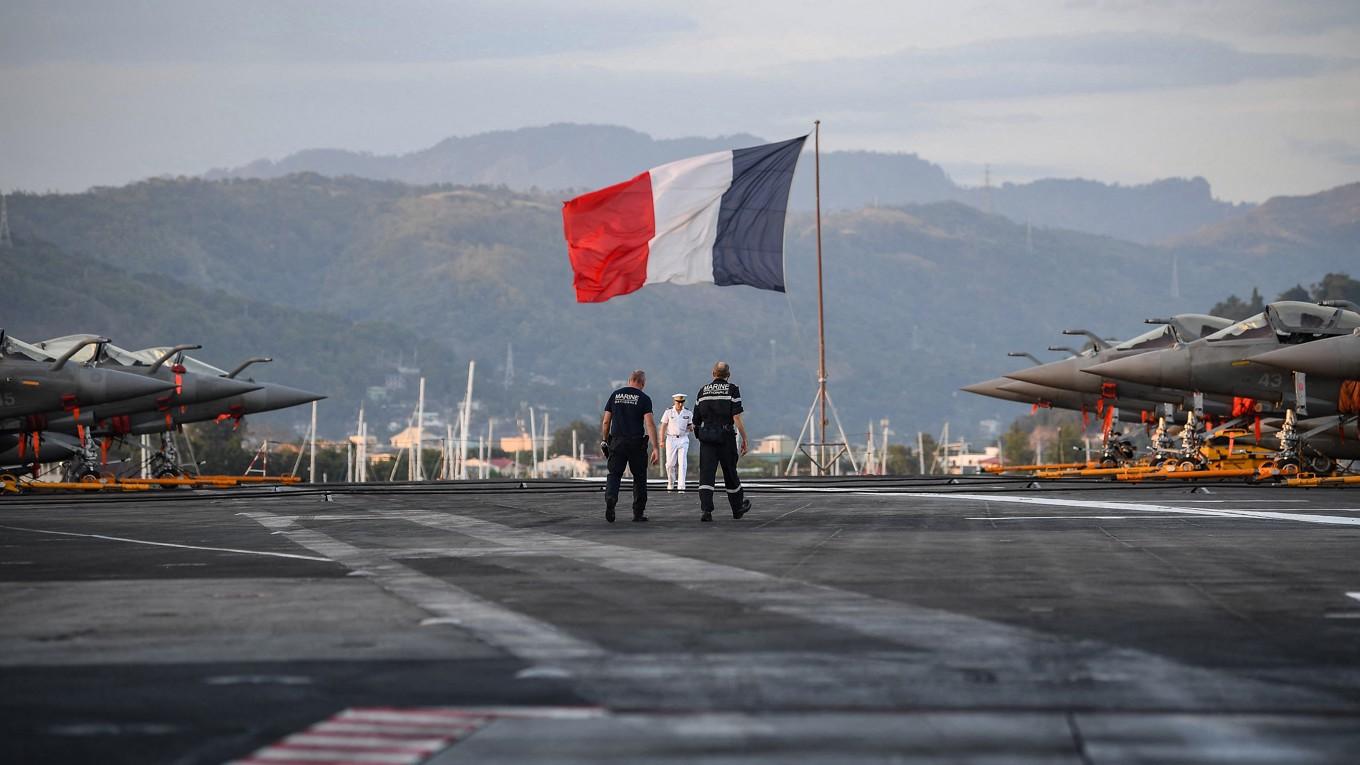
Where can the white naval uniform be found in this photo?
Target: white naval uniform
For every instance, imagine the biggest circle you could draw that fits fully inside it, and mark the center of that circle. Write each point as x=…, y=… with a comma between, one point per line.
x=675, y=426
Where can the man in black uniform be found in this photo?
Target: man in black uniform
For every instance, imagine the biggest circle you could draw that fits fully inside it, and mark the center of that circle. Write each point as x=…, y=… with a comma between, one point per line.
x=627, y=424
x=717, y=420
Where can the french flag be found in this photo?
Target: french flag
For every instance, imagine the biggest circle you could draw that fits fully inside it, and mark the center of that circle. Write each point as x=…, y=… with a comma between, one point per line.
x=712, y=219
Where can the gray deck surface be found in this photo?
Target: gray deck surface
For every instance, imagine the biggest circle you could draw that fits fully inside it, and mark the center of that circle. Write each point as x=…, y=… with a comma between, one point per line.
x=839, y=622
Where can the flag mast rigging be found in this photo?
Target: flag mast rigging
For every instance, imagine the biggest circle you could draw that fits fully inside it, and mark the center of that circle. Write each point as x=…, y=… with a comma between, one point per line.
x=820, y=450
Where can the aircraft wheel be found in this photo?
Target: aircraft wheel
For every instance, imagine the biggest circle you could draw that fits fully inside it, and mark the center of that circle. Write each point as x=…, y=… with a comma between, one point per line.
x=167, y=473
x=1188, y=465
x=1109, y=463
x=89, y=476
x=1321, y=464
x=1289, y=468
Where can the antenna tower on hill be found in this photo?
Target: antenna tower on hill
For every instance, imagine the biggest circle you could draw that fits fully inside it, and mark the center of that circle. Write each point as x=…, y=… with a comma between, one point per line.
x=5, y=239
x=987, y=185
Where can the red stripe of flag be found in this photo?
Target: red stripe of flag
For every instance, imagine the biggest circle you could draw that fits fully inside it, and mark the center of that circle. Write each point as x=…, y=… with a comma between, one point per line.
x=607, y=234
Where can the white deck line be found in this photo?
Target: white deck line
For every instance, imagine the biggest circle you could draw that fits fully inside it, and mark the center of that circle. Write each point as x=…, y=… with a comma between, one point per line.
x=948, y=636
x=1329, y=520
x=1077, y=517
x=512, y=631
x=169, y=544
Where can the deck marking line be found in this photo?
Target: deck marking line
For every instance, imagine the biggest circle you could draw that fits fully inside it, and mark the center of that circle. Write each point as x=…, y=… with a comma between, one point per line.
x=385, y=740
x=1355, y=595
x=295, y=754
x=168, y=544
x=393, y=737
x=517, y=633
x=383, y=729
x=1078, y=517
x=1235, y=501
x=952, y=637
x=365, y=741
x=1330, y=520
x=780, y=517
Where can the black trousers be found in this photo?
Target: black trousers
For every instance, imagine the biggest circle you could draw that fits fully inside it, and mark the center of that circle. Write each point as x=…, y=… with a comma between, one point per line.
x=629, y=452
x=710, y=457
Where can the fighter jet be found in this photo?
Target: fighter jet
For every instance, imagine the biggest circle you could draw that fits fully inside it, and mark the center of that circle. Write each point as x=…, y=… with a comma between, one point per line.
x=195, y=402
x=1062, y=383
x=186, y=387
x=34, y=381
x=1068, y=373
x=265, y=397
x=1130, y=410
x=1222, y=362
x=177, y=388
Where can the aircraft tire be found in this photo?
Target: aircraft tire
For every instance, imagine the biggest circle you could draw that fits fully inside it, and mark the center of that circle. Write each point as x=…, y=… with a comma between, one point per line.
x=1321, y=464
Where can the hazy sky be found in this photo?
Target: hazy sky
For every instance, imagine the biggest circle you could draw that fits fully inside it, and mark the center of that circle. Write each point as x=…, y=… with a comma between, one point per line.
x=1261, y=97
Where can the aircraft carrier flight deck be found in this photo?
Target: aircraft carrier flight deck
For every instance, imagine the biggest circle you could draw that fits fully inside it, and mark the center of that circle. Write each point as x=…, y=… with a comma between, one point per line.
x=843, y=620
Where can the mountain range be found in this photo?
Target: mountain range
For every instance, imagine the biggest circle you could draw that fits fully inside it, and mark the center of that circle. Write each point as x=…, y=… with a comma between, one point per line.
x=343, y=279
x=567, y=158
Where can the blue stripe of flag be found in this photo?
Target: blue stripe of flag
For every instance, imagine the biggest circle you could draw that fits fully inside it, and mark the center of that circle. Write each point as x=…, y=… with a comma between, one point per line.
x=749, y=248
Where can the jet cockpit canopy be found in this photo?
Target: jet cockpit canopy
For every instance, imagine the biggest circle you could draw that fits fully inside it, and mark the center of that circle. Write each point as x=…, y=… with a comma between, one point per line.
x=60, y=345
x=1157, y=337
x=1291, y=321
x=16, y=348
x=1193, y=326
x=1182, y=328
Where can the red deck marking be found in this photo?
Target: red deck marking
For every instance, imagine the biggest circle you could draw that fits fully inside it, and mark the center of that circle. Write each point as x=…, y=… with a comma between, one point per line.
x=371, y=736
x=392, y=736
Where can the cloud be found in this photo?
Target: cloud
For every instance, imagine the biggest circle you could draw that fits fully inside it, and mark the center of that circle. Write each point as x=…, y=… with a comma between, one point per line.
x=1338, y=151
x=293, y=31
x=1033, y=67
x=1268, y=17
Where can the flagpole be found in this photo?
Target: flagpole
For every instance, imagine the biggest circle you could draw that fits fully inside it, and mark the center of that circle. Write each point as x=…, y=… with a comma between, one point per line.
x=821, y=316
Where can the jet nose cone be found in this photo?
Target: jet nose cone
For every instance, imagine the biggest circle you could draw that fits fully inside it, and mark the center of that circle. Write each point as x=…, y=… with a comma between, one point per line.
x=992, y=388
x=1031, y=393
x=982, y=388
x=1167, y=369
x=100, y=385
x=1331, y=357
x=206, y=388
x=1058, y=374
x=281, y=396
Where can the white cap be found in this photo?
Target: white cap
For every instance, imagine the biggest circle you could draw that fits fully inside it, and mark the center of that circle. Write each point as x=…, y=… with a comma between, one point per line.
x=679, y=397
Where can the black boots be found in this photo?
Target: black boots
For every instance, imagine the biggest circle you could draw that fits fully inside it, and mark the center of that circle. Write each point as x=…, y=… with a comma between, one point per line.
x=706, y=518
x=743, y=510
x=609, y=503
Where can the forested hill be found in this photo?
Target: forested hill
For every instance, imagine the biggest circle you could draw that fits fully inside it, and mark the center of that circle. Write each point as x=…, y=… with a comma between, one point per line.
x=566, y=156
x=1289, y=227
x=345, y=277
